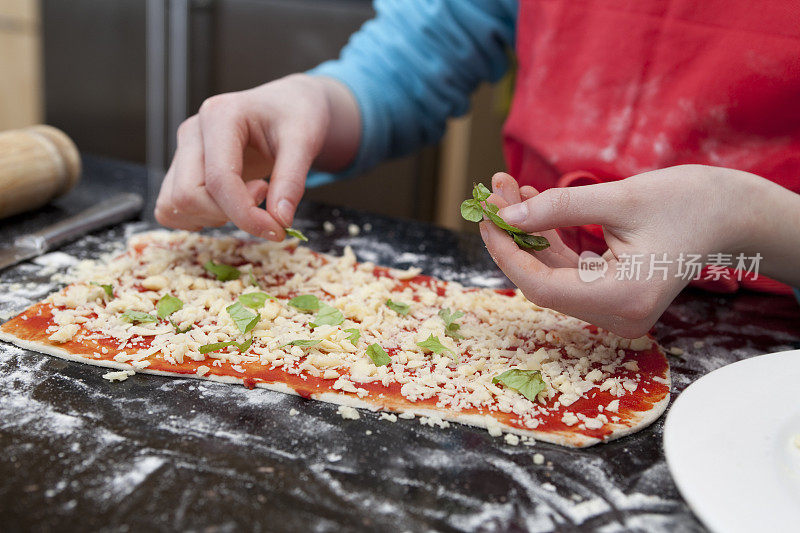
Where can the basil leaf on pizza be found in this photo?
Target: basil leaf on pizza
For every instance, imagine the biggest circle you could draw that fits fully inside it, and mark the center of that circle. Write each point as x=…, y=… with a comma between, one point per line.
x=255, y=300
x=213, y=347
x=305, y=302
x=244, y=346
x=167, y=305
x=434, y=345
x=398, y=307
x=245, y=320
x=241, y=346
x=303, y=343
x=178, y=329
x=327, y=316
x=378, y=355
x=355, y=334
x=451, y=327
x=137, y=317
x=222, y=272
x=529, y=383
x=108, y=289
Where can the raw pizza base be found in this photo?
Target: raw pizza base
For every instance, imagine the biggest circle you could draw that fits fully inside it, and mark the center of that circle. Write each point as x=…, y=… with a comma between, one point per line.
x=643, y=409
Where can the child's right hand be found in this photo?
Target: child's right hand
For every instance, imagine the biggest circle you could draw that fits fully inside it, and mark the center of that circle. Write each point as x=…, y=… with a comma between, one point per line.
x=276, y=130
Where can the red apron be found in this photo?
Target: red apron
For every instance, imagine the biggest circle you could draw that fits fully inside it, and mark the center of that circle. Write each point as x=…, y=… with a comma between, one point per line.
x=609, y=89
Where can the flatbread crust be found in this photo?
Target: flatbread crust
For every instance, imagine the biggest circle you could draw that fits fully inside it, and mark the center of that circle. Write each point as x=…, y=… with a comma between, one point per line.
x=635, y=374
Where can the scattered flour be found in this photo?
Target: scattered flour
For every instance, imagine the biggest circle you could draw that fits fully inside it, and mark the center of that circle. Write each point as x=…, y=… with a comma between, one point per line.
x=124, y=483
x=647, y=501
x=54, y=261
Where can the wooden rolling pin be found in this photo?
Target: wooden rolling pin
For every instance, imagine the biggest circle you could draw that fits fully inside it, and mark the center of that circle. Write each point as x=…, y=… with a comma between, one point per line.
x=37, y=164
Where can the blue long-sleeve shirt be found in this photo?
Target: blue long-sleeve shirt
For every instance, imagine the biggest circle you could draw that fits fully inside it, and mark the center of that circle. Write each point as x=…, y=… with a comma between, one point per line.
x=416, y=64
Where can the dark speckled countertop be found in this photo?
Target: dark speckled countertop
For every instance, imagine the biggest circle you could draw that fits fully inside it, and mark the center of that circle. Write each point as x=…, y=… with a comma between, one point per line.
x=156, y=453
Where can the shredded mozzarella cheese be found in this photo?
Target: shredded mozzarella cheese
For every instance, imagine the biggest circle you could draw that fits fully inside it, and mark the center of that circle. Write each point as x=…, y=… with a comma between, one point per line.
x=499, y=331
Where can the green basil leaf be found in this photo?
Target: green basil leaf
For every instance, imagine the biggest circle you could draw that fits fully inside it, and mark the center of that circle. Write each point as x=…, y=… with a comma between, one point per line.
x=523, y=239
x=241, y=346
x=109, y=289
x=327, y=316
x=167, y=305
x=526, y=240
x=432, y=344
x=244, y=346
x=451, y=327
x=354, y=335
x=245, y=320
x=491, y=213
x=303, y=343
x=398, y=307
x=474, y=211
x=529, y=383
x=222, y=272
x=255, y=300
x=296, y=233
x=137, y=317
x=305, y=302
x=179, y=330
x=449, y=317
x=452, y=331
x=378, y=355
x=206, y=348
x=480, y=192
x=471, y=210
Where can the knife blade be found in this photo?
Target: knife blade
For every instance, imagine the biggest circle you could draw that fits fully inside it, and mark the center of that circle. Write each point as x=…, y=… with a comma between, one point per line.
x=116, y=209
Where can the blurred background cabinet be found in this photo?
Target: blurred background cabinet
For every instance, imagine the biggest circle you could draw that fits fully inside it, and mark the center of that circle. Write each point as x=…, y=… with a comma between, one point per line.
x=20, y=64
x=119, y=76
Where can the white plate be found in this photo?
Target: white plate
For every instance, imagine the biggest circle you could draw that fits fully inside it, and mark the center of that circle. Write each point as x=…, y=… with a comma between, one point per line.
x=729, y=442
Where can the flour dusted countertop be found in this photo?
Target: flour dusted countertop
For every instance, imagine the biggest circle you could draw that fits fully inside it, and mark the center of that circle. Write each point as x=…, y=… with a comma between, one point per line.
x=83, y=453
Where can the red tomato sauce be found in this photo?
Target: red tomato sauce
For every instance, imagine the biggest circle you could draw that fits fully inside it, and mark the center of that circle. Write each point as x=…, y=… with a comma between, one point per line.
x=32, y=325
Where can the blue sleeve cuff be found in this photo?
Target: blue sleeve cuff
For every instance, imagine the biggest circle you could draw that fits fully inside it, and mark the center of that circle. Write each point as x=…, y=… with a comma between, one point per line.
x=371, y=149
x=317, y=178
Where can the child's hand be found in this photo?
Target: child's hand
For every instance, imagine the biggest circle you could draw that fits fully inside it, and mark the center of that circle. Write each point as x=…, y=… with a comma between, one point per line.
x=237, y=139
x=691, y=209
